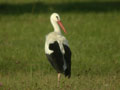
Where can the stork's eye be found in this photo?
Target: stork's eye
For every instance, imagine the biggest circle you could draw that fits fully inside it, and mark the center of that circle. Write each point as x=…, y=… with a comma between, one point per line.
x=57, y=17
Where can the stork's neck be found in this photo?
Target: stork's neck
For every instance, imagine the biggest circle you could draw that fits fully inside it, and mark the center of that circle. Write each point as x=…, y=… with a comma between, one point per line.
x=55, y=26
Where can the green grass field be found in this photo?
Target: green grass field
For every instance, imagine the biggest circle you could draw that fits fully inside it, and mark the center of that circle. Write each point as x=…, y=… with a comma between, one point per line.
x=93, y=28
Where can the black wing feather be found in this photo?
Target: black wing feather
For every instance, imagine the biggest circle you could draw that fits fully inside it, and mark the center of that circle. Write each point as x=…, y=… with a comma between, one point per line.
x=56, y=58
x=67, y=57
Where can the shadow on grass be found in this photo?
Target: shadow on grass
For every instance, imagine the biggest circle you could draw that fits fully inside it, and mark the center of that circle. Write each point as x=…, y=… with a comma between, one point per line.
x=39, y=7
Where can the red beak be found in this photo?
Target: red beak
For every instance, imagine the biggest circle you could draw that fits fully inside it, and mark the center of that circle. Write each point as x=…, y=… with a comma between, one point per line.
x=62, y=27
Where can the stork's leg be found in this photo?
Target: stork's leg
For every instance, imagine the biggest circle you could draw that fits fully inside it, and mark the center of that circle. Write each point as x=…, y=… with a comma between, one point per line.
x=59, y=79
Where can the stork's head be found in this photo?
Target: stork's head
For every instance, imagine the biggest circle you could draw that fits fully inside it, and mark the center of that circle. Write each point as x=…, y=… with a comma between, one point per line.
x=56, y=18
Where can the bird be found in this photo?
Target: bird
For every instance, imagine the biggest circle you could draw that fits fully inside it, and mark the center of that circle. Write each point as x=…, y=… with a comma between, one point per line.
x=57, y=49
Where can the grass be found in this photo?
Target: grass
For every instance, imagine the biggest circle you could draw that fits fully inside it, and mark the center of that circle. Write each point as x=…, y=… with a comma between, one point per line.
x=93, y=35
x=21, y=82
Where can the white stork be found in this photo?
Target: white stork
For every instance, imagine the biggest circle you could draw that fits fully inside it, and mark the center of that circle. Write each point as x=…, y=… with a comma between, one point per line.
x=57, y=49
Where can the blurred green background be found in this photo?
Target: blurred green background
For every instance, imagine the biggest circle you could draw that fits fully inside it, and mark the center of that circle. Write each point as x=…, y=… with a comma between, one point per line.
x=93, y=34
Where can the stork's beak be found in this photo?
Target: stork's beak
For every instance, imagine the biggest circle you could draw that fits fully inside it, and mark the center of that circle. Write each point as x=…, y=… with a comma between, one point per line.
x=62, y=27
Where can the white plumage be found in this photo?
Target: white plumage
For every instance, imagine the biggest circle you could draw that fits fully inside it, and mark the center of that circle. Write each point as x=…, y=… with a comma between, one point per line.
x=51, y=38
